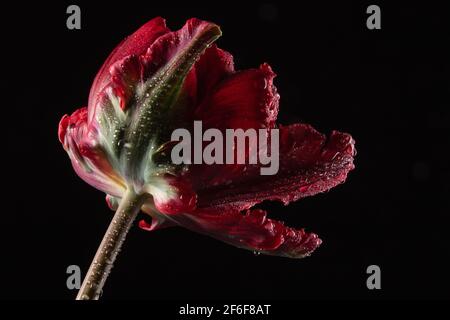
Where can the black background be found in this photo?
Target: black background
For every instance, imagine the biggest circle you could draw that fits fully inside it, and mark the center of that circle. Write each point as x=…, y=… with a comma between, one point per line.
x=389, y=88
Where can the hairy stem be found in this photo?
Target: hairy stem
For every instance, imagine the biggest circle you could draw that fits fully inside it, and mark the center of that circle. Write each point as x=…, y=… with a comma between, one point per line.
x=110, y=246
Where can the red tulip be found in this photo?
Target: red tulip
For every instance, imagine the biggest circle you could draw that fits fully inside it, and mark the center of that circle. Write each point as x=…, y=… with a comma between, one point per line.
x=156, y=81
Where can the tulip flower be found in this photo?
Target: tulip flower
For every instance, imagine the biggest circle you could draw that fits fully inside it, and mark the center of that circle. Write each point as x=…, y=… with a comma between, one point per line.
x=159, y=80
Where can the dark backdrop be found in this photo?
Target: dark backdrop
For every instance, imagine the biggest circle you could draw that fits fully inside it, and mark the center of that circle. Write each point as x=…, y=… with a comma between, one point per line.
x=389, y=88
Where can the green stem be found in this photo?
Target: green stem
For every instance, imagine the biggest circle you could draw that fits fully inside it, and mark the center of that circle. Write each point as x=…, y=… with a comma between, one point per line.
x=110, y=246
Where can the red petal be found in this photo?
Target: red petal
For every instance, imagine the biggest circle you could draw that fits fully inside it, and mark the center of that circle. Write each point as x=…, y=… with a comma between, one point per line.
x=136, y=44
x=166, y=51
x=112, y=202
x=168, y=46
x=159, y=221
x=62, y=127
x=88, y=159
x=309, y=164
x=212, y=68
x=180, y=198
x=144, y=225
x=252, y=231
x=125, y=75
x=155, y=224
x=247, y=99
